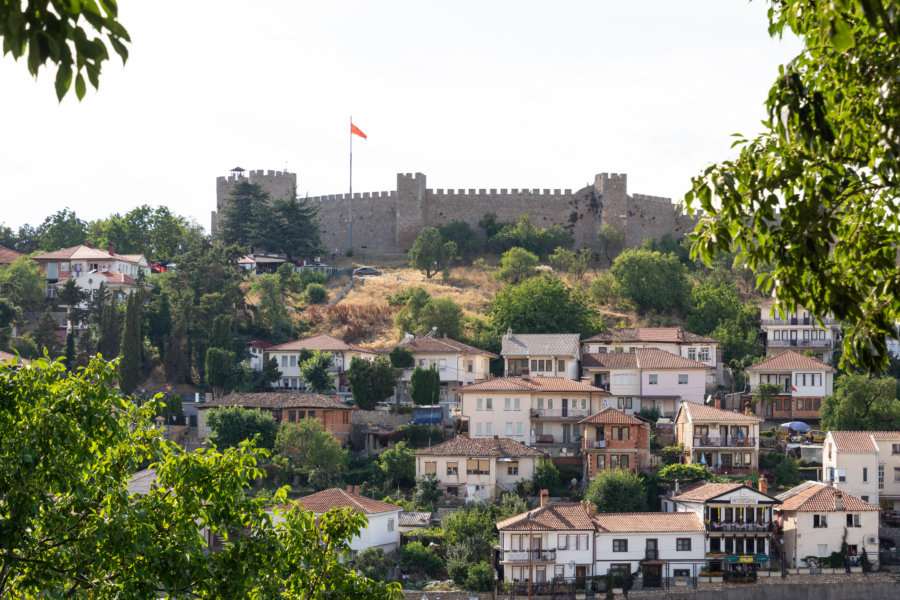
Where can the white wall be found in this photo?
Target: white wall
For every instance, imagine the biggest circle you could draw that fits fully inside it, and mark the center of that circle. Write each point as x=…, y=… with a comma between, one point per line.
x=693, y=391
x=692, y=559
x=802, y=539
x=497, y=416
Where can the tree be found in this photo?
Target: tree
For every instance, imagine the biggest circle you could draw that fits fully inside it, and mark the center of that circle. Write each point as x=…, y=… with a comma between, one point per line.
x=45, y=334
x=425, y=386
x=612, y=242
x=316, y=293
x=430, y=253
x=651, y=280
x=132, y=345
x=401, y=358
x=862, y=403
x=62, y=229
x=312, y=451
x=442, y=314
x=71, y=445
x=468, y=244
x=546, y=476
x=739, y=338
x=472, y=530
x=765, y=394
x=426, y=494
x=370, y=381
x=220, y=371
x=517, y=265
x=814, y=196
x=291, y=227
x=686, y=474
x=711, y=305
x=22, y=284
x=614, y=491
x=543, y=304
x=374, y=564
x=109, y=332
x=480, y=577
x=231, y=426
x=315, y=372
x=397, y=466
x=511, y=505
x=525, y=235
x=244, y=217
x=69, y=360
x=176, y=355
x=490, y=225
x=415, y=554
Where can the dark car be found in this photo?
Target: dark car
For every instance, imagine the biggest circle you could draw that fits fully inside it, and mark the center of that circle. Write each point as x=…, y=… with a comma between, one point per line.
x=364, y=271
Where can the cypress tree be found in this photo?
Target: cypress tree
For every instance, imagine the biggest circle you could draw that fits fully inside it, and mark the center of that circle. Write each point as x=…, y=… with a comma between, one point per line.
x=161, y=325
x=45, y=334
x=132, y=359
x=109, y=342
x=220, y=336
x=70, y=351
x=83, y=351
x=176, y=359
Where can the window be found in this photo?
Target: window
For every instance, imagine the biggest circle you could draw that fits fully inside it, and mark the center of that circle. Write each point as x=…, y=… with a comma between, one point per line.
x=301, y=414
x=516, y=404
x=442, y=364
x=312, y=414
x=896, y=473
x=895, y=448
x=777, y=334
x=601, y=461
x=806, y=334
x=653, y=379
x=683, y=544
x=512, y=468
x=822, y=550
x=561, y=365
x=682, y=379
x=477, y=428
x=625, y=403
x=488, y=404
x=422, y=362
x=470, y=366
x=681, y=572
x=452, y=468
x=479, y=404
x=519, y=428
x=623, y=461
x=432, y=364
x=284, y=360
x=475, y=466
x=562, y=541
x=880, y=477
x=865, y=474
x=692, y=353
x=390, y=524
x=704, y=354
x=488, y=429
x=509, y=429
x=534, y=365
x=620, y=433
x=431, y=467
x=507, y=403
x=864, y=498
x=820, y=521
x=853, y=520
x=620, y=546
x=293, y=360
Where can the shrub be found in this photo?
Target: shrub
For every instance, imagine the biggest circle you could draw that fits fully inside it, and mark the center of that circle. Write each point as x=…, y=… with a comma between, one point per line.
x=316, y=293
x=373, y=563
x=418, y=556
x=480, y=578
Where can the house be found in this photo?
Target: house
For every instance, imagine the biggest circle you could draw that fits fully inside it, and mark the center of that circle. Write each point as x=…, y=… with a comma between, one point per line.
x=342, y=353
x=614, y=440
x=257, y=354
x=671, y=339
x=410, y=520
x=286, y=408
x=647, y=378
x=477, y=468
x=816, y=517
x=383, y=529
x=543, y=354
x=662, y=545
x=799, y=331
x=78, y=261
x=725, y=441
x=553, y=541
x=803, y=383
x=457, y=364
x=739, y=521
x=865, y=464
x=8, y=256
x=7, y=358
x=542, y=412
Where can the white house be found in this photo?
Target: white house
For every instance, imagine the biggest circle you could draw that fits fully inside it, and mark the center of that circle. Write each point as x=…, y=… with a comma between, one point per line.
x=799, y=330
x=723, y=440
x=60, y=265
x=803, y=381
x=865, y=464
x=544, y=354
x=477, y=468
x=383, y=530
x=257, y=354
x=342, y=353
x=815, y=518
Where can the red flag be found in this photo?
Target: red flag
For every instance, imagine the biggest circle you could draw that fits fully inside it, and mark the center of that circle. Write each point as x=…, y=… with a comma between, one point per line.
x=793, y=389
x=358, y=131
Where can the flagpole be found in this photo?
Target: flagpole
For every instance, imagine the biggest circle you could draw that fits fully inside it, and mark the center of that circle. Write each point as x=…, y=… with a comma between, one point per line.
x=350, y=198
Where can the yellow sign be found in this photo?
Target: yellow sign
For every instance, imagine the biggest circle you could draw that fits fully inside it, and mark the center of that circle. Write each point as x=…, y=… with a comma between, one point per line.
x=748, y=559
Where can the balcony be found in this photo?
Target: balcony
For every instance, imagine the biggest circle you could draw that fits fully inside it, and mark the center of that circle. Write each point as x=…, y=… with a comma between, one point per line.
x=560, y=413
x=651, y=555
x=799, y=343
x=726, y=442
x=798, y=321
x=737, y=527
x=595, y=444
x=520, y=556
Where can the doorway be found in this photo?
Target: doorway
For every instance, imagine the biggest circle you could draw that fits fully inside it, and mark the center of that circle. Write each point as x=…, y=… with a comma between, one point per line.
x=652, y=575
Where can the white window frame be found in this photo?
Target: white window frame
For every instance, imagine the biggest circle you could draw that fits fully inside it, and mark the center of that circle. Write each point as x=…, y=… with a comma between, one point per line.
x=682, y=379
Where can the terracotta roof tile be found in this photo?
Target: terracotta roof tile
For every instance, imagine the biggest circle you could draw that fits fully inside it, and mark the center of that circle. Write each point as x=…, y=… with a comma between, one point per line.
x=465, y=446
x=414, y=519
x=860, y=441
x=530, y=384
x=790, y=361
x=541, y=344
x=325, y=500
x=7, y=357
x=669, y=335
x=610, y=360
x=82, y=252
x=8, y=255
x=648, y=522
x=276, y=400
x=819, y=497
x=641, y=358
x=569, y=516
x=437, y=345
x=704, y=412
x=612, y=415
x=321, y=341
x=704, y=491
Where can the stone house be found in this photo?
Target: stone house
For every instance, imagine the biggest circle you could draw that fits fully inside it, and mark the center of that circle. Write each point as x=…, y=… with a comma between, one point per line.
x=865, y=464
x=647, y=378
x=8, y=256
x=799, y=331
x=614, y=440
x=815, y=517
x=541, y=354
x=477, y=468
x=803, y=381
x=286, y=408
x=342, y=353
x=725, y=441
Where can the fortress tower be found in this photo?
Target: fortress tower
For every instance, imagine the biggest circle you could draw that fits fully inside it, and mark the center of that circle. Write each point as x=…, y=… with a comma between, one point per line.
x=278, y=184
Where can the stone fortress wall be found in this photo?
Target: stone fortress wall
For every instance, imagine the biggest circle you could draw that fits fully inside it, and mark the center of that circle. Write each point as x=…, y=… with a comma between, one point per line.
x=388, y=222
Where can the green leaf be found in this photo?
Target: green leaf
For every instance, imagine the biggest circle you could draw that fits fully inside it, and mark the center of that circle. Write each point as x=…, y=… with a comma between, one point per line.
x=79, y=86
x=63, y=80
x=841, y=36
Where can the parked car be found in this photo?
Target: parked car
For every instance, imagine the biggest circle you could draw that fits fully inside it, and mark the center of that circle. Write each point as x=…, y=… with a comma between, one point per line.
x=364, y=271
x=816, y=437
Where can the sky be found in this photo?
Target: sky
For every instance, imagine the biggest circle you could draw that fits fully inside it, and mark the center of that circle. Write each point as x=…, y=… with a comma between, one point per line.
x=474, y=94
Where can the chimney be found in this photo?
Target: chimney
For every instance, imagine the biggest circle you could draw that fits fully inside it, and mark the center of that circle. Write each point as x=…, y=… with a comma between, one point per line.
x=356, y=490
x=838, y=500
x=747, y=410
x=763, y=484
x=590, y=508
x=717, y=399
x=677, y=487
x=112, y=248
x=545, y=497
x=90, y=244
x=350, y=488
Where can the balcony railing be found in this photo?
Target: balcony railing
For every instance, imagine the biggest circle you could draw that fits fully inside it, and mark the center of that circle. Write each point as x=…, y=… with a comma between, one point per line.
x=727, y=442
x=799, y=321
x=651, y=555
x=739, y=526
x=799, y=343
x=560, y=413
x=595, y=444
x=529, y=555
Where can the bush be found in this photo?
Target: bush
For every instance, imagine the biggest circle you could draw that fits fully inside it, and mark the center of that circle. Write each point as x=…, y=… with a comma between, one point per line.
x=373, y=563
x=480, y=578
x=418, y=556
x=457, y=567
x=546, y=476
x=651, y=413
x=316, y=293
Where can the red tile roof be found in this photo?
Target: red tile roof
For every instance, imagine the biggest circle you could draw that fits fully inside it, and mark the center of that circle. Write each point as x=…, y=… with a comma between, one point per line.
x=641, y=358
x=648, y=522
x=325, y=500
x=551, y=517
x=818, y=497
x=610, y=360
x=612, y=415
x=277, y=400
x=860, y=441
x=320, y=341
x=790, y=361
x=704, y=491
x=671, y=335
x=117, y=278
x=6, y=357
x=86, y=253
x=465, y=446
x=705, y=412
x=8, y=256
x=437, y=345
x=530, y=384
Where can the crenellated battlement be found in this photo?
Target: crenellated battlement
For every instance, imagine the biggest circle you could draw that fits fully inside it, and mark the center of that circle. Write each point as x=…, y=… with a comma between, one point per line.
x=643, y=198
x=494, y=192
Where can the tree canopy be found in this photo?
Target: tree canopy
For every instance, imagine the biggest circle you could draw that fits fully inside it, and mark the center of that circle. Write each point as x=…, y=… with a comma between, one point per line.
x=653, y=281
x=544, y=304
x=316, y=372
x=517, y=265
x=862, y=403
x=370, y=381
x=614, y=491
x=425, y=386
x=233, y=425
x=813, y=198
x=430, y=253
x=312, y=451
